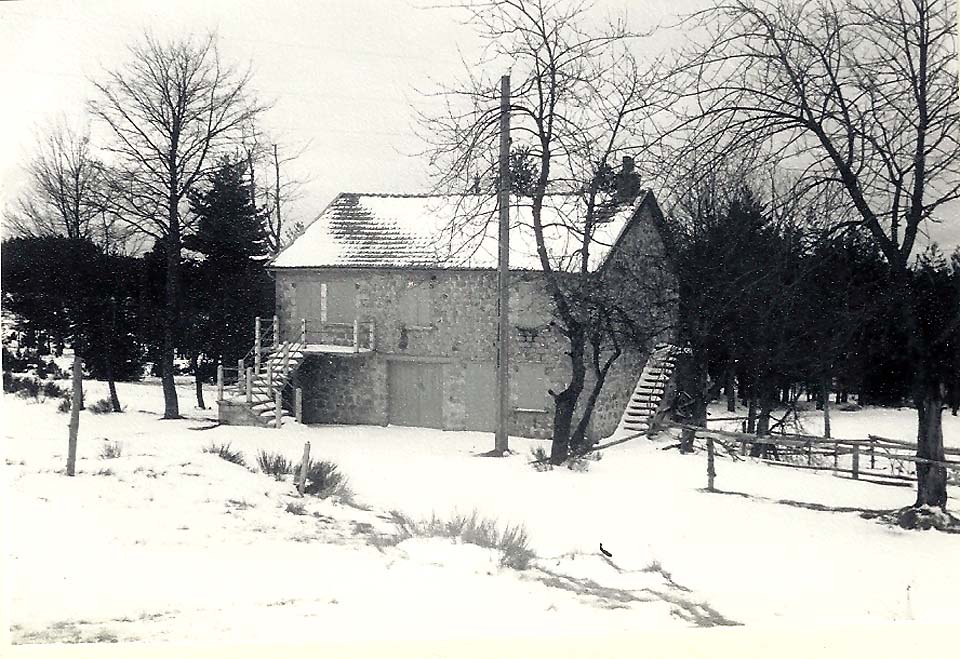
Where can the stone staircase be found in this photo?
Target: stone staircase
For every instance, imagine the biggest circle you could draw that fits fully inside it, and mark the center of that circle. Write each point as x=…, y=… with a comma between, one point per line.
x=275, y=372
x=650, y=394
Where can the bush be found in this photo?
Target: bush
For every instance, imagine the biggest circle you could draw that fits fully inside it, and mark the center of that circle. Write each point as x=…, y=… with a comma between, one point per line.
x=228, y=454
x=512, y=542
x=65, y=404
x=274, y=464
x=53, y=390
x=541, y=459
x=324, y=479
x=25, y=387
x=296, y=508
x=102, y=406
x=111, y=450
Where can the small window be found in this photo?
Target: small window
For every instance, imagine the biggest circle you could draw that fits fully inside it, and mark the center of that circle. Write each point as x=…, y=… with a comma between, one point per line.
x=416, y=305
x=529, y=305
x=530, y=386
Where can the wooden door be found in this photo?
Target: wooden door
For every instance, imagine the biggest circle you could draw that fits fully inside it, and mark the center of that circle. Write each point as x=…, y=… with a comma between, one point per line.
x=479, y=396
x=416, y=394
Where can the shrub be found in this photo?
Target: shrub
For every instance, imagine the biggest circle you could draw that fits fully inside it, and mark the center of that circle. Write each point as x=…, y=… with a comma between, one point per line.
x=25, y=387
x=296, y=508
x=102, y=406
x=512, y=542
x=541, y=459
x=274, y=464
x=111, y=450
x=228, y=454
x=64, y=406
x=53, y=390
x=324, y=479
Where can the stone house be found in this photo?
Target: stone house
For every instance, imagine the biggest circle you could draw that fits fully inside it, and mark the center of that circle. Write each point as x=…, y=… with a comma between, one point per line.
x=394, y=297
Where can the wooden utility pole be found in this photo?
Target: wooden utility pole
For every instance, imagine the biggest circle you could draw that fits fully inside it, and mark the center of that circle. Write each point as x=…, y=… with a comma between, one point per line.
x=276, y=165
x=503, y=274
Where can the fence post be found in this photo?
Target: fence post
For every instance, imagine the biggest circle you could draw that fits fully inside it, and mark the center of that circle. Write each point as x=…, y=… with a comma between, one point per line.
x=249, y=382
x=303, y=331
x=356, y=335
x=711, y=470
x=809, y=453
x=836, y=455
x=856, y=461
x=743, y=447
x=241, y=372
x=872, y=456
x=278, y=407
x=219, y=381
x=298, y=404
x=304, y=465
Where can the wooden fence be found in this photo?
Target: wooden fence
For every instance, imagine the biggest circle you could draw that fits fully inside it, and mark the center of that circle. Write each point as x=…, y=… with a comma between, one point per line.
x=878, y=458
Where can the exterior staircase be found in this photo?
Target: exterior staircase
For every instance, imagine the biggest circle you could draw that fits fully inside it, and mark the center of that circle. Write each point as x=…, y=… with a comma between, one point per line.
x=275, y=372
x=649, y=397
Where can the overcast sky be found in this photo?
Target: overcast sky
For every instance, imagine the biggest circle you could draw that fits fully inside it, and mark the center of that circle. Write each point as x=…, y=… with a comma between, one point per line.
x=343, y=75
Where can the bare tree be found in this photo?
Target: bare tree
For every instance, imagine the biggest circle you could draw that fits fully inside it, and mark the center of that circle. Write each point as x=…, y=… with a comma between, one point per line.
x=577, y=97
x=858, y=95
x=170, y=109
x=65, y=191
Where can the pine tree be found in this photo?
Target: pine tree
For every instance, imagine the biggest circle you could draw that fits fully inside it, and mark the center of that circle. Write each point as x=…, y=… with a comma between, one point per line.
x=230, y=285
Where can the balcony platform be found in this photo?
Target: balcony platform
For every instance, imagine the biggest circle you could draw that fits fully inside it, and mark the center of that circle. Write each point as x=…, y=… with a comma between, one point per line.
x=331, y=348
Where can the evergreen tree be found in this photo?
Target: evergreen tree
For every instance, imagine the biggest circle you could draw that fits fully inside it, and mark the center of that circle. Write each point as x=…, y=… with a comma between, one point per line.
x=230, y=286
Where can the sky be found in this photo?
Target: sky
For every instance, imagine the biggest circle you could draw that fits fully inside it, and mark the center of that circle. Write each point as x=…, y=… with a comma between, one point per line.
x=345, y=77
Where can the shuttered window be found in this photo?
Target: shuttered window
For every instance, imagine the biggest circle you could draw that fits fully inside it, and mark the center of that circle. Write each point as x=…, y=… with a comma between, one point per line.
x=416, y=305
x=529, y=387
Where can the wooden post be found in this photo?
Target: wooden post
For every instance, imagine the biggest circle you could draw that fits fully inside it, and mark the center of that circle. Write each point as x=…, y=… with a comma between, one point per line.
x=249, y=383
x=269, y=378
x=278, y=407
x=241, y=372
x=304, y=465
x=256, y=346
x=503, y=276
x=873, y=456
x=356, y=335
x=76, y=402
x=836, y=455
x=298, y=404
x=809, y=453
x=303, y=331
x=711, y=470
x=743, y=447
x=219, y=381
x=856, y=461
x=276, y=332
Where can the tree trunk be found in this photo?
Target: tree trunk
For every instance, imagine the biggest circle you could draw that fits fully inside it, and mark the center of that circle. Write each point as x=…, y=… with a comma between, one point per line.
x=731, y=390
x=76, y=403
x=171, y=406
x=751, y=416
x=111, y=383
x=931, y=478
x=198, y=381
x=825, y=394
x=578, y=440
x=566, y=401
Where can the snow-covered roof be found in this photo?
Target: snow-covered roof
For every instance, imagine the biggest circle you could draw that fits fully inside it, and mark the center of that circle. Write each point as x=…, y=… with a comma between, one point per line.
x=454, y=232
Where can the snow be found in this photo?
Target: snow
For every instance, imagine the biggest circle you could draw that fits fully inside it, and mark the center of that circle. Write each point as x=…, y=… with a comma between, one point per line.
x=371, y=230
x=176, y=544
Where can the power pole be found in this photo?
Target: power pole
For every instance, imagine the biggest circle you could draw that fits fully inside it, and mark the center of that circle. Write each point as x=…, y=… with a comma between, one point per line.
x=503, y=274
x=276, y=165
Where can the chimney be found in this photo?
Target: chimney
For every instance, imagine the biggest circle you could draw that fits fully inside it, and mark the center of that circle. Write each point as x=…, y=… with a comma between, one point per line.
x=627, y=167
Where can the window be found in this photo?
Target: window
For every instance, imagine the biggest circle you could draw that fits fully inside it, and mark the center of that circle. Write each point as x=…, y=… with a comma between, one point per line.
x=529, y=305
x=529, y=385
x=416, y=305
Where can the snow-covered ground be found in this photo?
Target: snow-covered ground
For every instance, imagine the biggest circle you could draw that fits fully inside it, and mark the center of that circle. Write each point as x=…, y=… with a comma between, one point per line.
x=169, y=543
